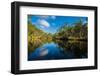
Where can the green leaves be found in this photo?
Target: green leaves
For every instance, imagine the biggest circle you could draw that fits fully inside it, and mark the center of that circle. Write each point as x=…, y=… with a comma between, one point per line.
x=78, y=31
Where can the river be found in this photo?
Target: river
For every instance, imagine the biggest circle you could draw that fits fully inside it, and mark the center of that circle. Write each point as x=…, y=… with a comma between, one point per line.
x=59, y=50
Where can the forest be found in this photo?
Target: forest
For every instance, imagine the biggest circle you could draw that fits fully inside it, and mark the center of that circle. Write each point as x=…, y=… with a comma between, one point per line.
x=76, y=32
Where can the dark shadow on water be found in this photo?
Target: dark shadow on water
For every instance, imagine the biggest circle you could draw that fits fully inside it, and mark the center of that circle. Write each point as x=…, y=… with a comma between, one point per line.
x=58, y=49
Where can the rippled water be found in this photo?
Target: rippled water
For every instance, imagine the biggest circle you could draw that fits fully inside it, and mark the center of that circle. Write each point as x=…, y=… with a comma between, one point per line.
x=59, y=50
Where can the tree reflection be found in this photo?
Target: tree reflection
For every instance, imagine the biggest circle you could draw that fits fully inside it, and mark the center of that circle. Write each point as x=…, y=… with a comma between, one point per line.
x=76, y=48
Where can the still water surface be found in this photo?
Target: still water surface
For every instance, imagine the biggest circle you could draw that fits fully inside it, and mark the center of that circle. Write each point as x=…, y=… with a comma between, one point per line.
x=59, y=50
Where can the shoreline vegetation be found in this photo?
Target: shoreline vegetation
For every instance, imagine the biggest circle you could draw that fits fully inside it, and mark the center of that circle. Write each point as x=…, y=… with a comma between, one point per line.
x=36, y=36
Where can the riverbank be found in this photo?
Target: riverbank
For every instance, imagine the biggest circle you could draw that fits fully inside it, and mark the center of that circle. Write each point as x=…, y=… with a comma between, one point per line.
x=77, y=39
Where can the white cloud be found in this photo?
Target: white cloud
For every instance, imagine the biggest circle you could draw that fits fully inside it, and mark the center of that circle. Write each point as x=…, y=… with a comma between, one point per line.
x=43, y=16
x=43, y=23
x=53, y=17
x=47, y=17
x=84, y=22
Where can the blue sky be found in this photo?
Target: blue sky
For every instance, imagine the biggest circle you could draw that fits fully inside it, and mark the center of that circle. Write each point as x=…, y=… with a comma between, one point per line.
x=51, y=24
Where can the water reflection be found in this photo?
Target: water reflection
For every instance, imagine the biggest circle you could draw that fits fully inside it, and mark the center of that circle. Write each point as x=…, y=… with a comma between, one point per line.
x=58, y=50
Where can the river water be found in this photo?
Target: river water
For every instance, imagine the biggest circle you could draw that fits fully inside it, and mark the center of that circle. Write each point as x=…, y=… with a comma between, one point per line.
x=59, y=50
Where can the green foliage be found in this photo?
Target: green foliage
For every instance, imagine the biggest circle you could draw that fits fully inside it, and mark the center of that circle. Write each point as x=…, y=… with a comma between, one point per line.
x=77, y=32
x=36, y=36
